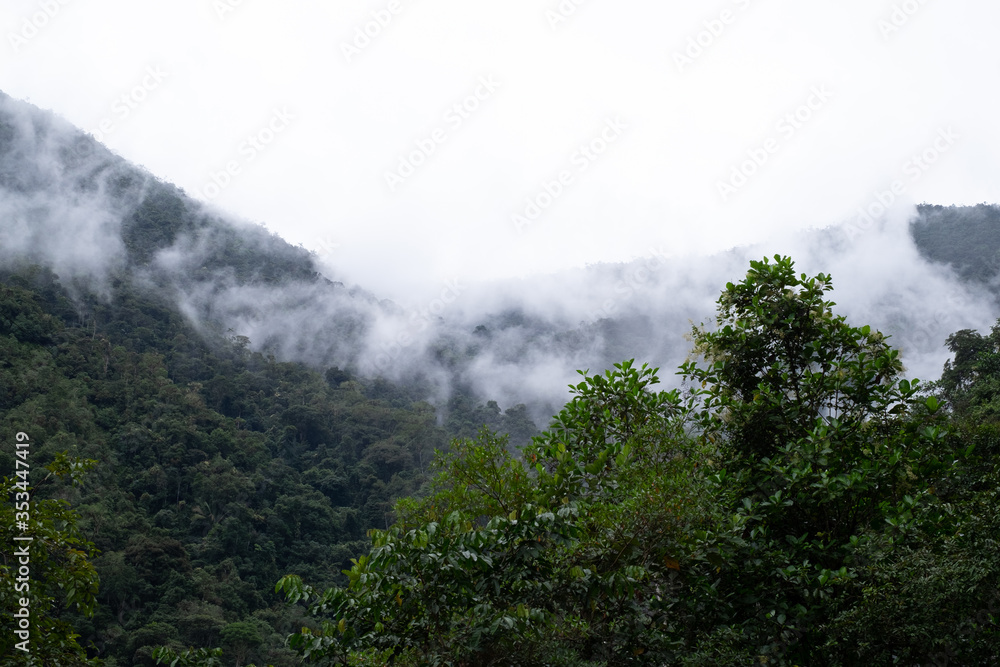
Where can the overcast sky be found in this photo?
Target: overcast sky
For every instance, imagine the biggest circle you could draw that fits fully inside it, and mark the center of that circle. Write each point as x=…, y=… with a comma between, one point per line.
x=410, y=142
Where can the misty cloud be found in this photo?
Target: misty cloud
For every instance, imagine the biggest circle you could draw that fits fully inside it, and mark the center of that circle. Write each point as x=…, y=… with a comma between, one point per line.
x=68, y=203
x=61, y=203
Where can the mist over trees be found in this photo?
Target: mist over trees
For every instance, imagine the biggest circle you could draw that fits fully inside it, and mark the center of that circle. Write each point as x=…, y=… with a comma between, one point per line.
x=220, y=412
x=73, y=206
x=799, y=502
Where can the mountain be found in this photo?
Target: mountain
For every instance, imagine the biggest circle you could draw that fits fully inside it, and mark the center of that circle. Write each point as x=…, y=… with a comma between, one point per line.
x=218, y=468
x=71, y=205
x=252, y=413
x=967, y=238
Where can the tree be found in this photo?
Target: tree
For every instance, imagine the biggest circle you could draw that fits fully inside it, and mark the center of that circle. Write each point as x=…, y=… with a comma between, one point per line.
x=241, y=638
x=971, y=381
x=22, y=318
x=819, y=444
x=201, y=657
x=60, y=578
x=567, y=556
x=796, y=504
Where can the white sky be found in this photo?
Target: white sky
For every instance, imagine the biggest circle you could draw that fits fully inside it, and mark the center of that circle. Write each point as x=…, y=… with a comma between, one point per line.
x=226, y=67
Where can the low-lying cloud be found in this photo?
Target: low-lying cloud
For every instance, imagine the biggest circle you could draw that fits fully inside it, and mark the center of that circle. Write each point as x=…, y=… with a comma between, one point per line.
x=67, y=203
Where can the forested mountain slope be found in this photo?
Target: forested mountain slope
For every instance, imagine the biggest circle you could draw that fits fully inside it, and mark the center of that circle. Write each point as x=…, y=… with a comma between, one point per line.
x=71, y=205
x=800, y=502
x=218, y=468
x=965, y=237
x=251, y=418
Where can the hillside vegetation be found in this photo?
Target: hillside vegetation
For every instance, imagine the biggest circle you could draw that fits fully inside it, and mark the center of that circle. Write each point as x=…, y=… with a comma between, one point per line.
x=799, y=503
x=221, y=476
x=217, y=470
x=965, y=237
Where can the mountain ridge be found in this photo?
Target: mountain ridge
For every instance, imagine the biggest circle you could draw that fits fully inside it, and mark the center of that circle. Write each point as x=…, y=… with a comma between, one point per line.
x=224, y=275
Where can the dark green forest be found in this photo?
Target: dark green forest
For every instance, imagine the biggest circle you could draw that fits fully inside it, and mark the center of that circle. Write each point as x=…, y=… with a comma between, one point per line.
x=965, y=237
x=797, y=501
x=214, y=471
x=198, y=500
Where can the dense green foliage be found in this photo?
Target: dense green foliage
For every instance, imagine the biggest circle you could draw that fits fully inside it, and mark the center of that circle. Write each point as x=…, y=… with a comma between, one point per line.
x=530, y=561
x=44, y=577
x=799, y=504
x=218, y=470
x=828, y=459
x=966, y=237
